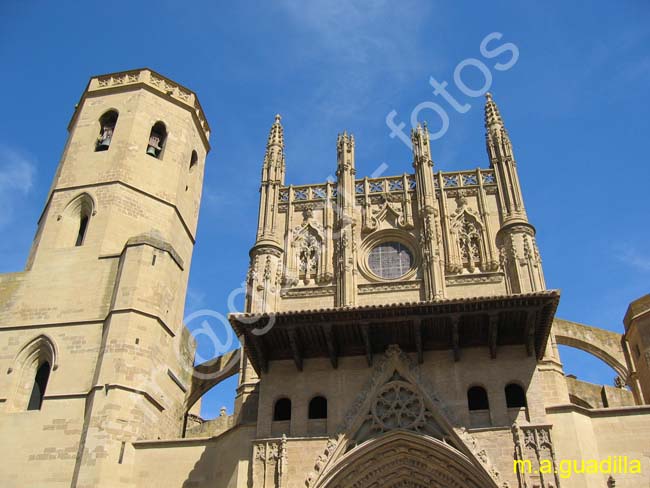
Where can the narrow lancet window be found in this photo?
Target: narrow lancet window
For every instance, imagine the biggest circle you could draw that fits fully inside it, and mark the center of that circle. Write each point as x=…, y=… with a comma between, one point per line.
x=81, y=234
x=38, y=390
x=194, y=159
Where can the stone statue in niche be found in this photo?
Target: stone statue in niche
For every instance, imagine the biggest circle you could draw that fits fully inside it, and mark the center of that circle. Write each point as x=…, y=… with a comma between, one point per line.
x=309, y=258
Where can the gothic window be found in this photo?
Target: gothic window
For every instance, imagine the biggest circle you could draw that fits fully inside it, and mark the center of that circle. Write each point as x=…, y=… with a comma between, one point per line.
x=75, y=220
x=157, y=139
x=515, y=396
x=194, y=159
x=318, y=408
x=477, y=398
x=390, y=260
x=469, y=241
x=107, y=123
x=398, y=405
x=282, y=410
x=83, y=226
x=30, y=374
x=40, y=384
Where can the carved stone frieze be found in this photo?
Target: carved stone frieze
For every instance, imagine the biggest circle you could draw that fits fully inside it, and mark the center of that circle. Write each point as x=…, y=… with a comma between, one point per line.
x=474, y=279
x=302, y=206
x=270, y=463
x=271, y=250
x=317, y=291
x=465, y=192
x=534, y=445
x=383, y=287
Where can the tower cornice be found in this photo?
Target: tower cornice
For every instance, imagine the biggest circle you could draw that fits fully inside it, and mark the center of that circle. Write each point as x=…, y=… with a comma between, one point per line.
x=154, y=82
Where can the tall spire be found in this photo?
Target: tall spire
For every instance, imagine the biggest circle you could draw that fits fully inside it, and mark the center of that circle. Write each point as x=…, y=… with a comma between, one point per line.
x=516, y=237
x=497, y=140
x=492, y=116
x=274, y=165
x=266, y=255
x=276, y=136
x=272, y=179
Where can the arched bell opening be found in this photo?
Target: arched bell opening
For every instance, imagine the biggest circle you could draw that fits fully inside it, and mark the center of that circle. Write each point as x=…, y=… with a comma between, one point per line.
x=107, y=123
x=157, y=140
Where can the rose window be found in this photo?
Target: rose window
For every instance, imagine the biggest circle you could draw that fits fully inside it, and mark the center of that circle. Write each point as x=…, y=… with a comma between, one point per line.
x=390, y=260
x=398, y=406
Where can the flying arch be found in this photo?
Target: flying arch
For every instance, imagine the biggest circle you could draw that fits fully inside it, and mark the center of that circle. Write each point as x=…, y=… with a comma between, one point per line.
x=603, y=344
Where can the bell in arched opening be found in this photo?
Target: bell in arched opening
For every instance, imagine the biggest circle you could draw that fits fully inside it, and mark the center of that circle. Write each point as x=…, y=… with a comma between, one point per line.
x=108, y=121
x=157, y=140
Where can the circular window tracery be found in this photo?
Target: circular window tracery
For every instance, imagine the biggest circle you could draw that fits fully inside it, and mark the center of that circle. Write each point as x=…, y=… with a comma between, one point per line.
x=390, y=260
x=398, y=406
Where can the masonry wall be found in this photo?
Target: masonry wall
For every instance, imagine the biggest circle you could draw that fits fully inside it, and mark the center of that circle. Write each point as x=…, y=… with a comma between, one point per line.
x=222, y=461
x=39, y=447
x=450, y=380
x=576, y=434
x=110, y=311
x=582, y=435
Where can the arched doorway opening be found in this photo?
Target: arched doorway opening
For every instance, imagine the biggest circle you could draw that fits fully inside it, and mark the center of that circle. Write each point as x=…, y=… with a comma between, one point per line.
x=403, y=459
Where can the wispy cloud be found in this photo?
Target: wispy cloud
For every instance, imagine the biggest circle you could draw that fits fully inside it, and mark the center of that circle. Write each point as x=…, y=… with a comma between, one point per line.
x=360, y=44
x=356, y=31
x=17, y=170
x=194, y=300
x=634, y=258
x=211, y=198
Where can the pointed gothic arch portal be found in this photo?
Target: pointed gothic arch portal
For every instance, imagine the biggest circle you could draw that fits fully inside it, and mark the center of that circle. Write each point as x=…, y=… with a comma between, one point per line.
x=403, y=459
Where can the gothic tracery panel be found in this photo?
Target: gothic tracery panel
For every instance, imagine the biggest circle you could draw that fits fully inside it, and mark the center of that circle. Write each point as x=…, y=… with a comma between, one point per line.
x=306, y=262
x=469, y=243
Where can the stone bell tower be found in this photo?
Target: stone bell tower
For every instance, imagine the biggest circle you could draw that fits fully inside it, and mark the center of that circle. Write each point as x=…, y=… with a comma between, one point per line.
x=110, y=261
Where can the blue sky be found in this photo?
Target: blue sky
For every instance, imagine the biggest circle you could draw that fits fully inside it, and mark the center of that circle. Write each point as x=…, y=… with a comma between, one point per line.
x=575, y=103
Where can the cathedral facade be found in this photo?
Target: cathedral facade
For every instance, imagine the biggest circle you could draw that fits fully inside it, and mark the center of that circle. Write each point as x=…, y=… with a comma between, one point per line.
x=397, y=331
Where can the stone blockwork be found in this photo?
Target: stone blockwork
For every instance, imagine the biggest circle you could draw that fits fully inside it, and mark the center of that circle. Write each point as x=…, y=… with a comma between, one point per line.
x=637, y=345
x=403, y=334
x=100, y=304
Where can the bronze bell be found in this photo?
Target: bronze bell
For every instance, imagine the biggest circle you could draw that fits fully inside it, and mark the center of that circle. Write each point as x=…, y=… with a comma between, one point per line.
x=153, y=149
x=104, y=140
x=103, y=143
